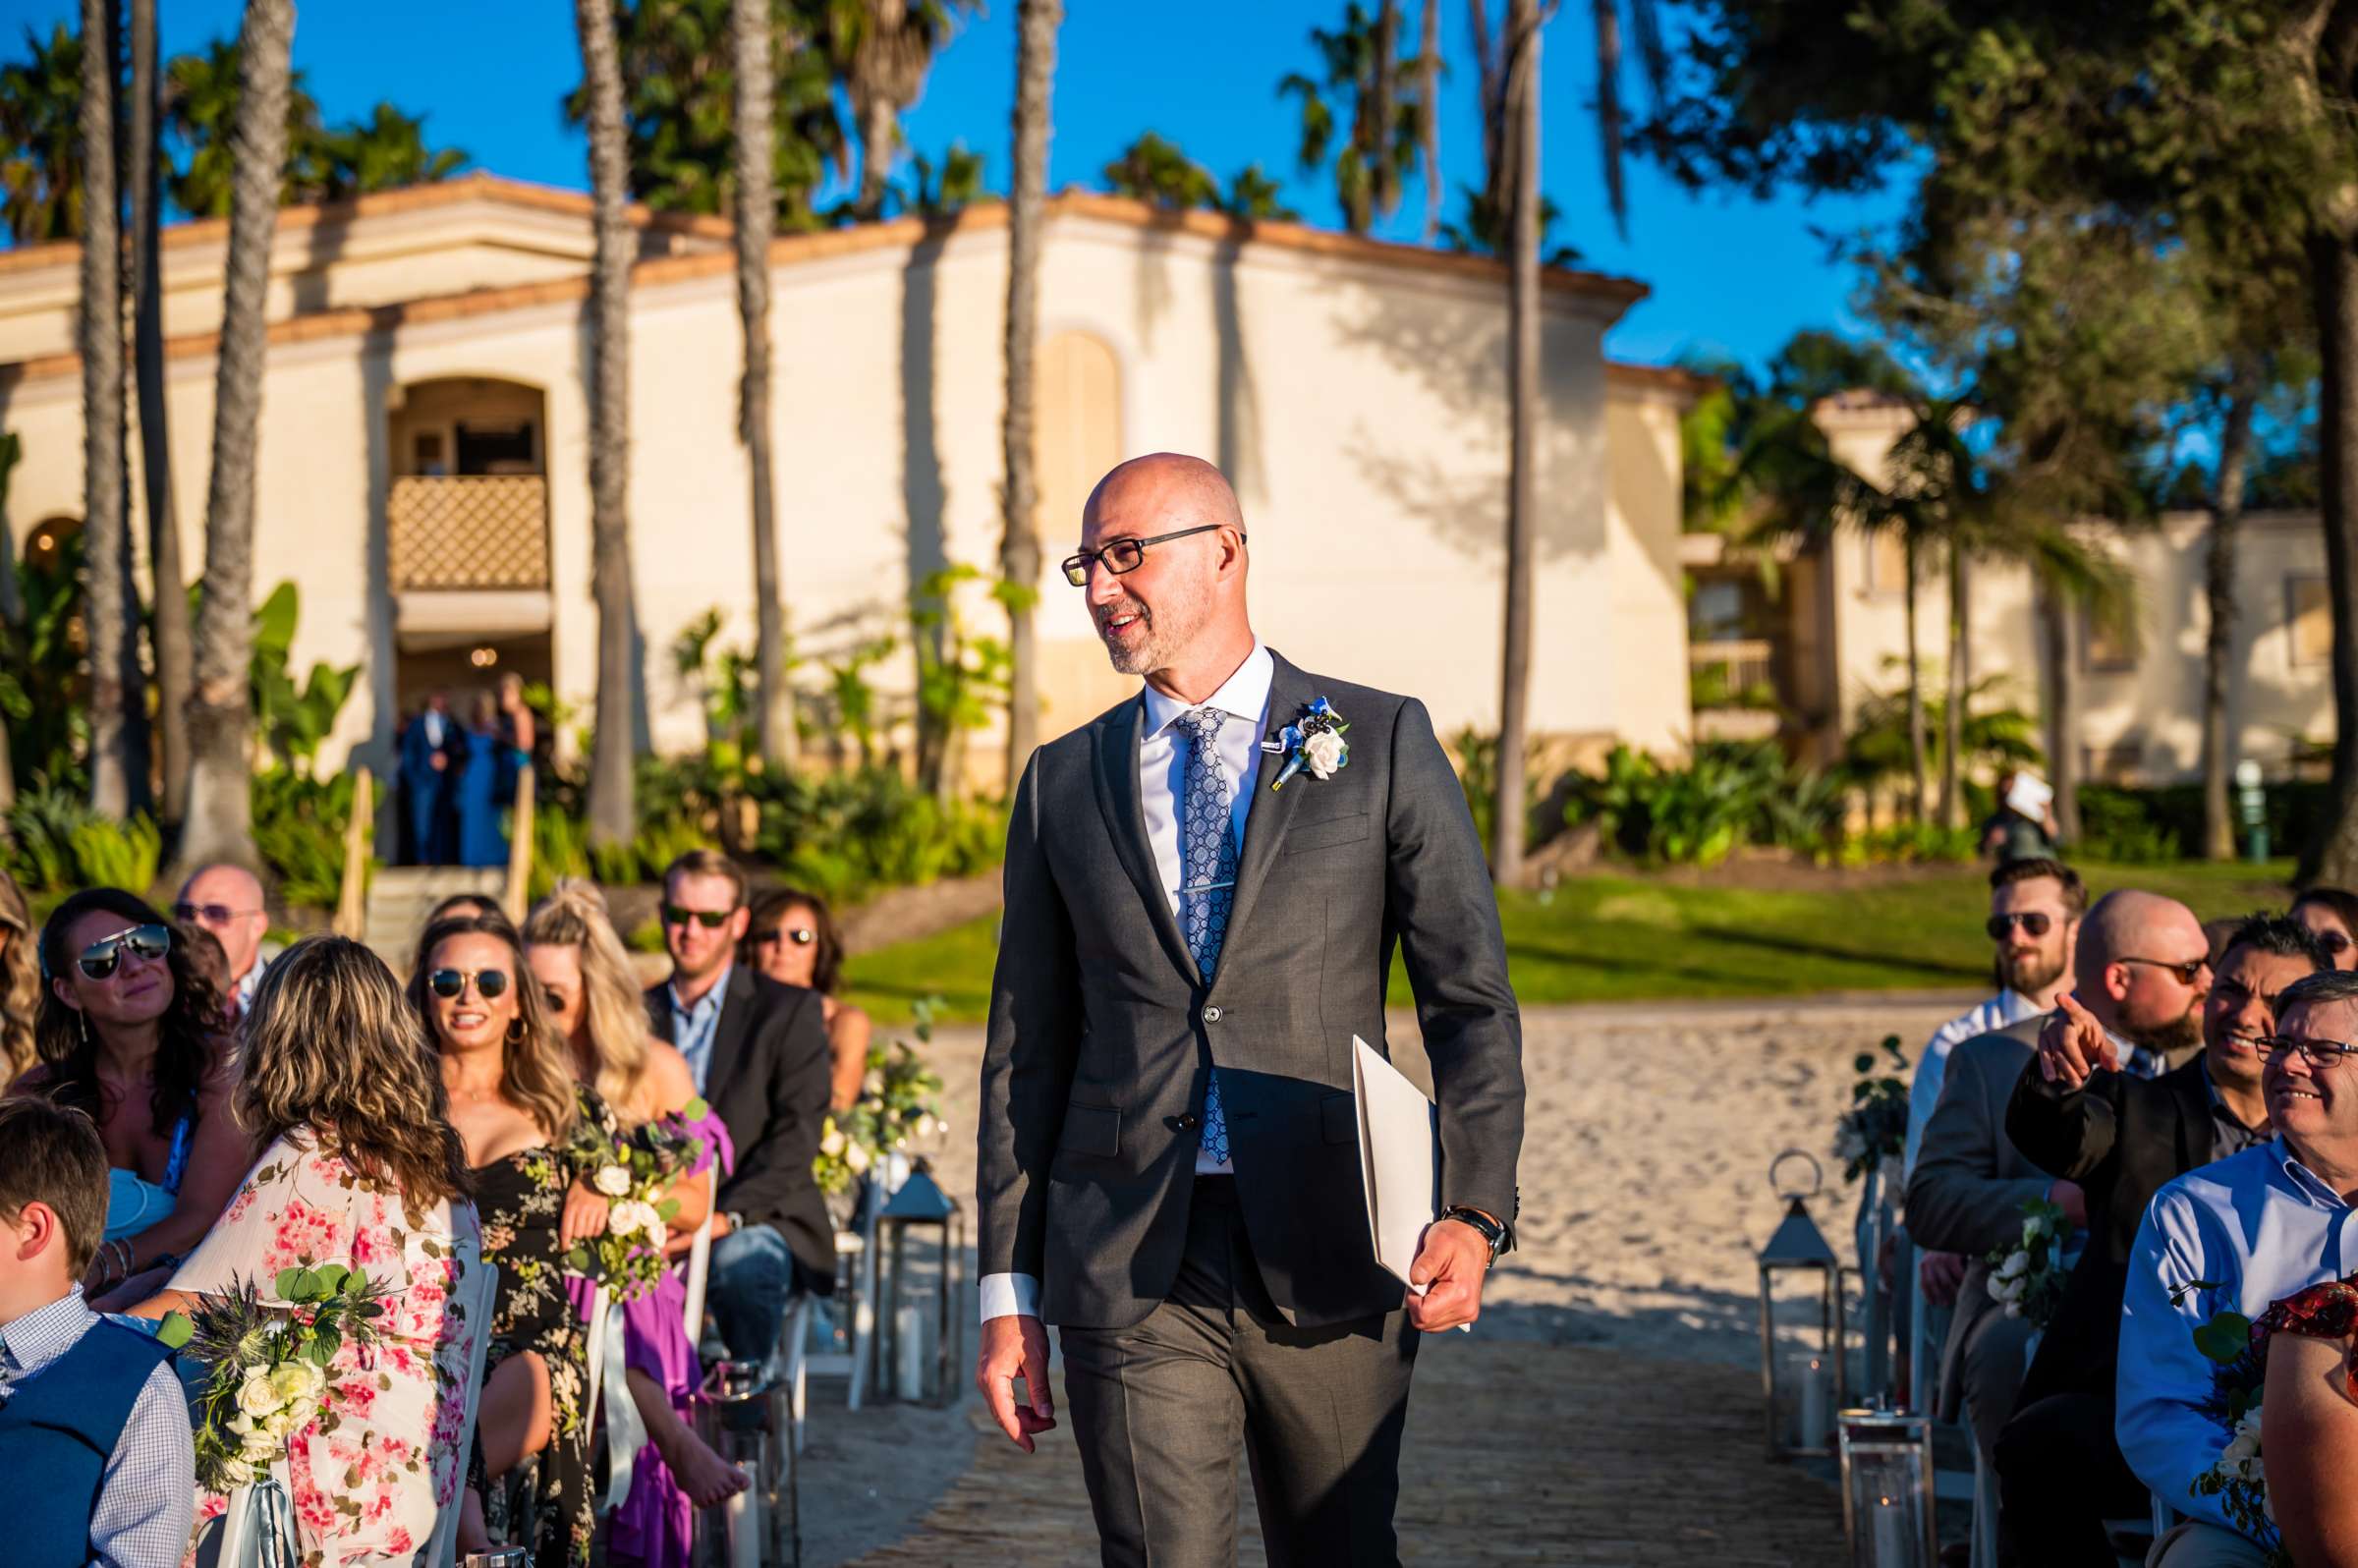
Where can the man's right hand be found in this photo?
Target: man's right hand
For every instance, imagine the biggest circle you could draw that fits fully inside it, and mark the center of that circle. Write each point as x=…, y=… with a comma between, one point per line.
x=1016, y=1346
x=1944, y=1275
x=2072, y=1044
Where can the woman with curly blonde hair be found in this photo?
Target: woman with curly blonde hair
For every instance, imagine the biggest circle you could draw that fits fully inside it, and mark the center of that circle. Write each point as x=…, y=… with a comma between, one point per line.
x=360, y=1168
x=20, y=981
x=595, y=1001
x=514, y=1100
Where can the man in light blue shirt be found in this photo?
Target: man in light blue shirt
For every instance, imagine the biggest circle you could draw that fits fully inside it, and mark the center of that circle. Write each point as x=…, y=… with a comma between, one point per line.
x=2257, y=1227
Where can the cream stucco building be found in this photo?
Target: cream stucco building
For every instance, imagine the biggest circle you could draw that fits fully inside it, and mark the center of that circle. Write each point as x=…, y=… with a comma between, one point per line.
x=424, y=461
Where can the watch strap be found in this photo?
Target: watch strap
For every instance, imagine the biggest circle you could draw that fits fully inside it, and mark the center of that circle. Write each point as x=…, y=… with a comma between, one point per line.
x=1495, y=1235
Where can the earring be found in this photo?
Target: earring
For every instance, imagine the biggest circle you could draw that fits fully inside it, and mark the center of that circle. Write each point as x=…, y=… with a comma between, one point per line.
x=82, y=1018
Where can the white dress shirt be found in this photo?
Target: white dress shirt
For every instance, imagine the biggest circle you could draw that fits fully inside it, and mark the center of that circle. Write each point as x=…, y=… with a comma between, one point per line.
x=1162, y=770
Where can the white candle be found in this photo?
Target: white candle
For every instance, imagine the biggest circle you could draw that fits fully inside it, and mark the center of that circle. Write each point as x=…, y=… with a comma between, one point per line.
x=1811, y=1390
x=910, y=1331
x=1891, y=1534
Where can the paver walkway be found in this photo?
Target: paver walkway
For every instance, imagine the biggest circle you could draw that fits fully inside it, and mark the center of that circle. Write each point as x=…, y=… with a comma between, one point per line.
x=1516, y=1453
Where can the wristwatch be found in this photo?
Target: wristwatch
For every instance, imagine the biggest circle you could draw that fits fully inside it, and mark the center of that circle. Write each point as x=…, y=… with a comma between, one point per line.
x=1499, y=1237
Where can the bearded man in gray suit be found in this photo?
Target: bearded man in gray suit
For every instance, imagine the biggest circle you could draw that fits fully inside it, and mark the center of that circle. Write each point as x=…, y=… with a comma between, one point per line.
x=1204, y=888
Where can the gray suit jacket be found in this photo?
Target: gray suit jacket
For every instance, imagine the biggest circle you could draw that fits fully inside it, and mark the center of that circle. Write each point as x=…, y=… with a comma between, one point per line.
x=1970, y=1182
x=1102, y=1033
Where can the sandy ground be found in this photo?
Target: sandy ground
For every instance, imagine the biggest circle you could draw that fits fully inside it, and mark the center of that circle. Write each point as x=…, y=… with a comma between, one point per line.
x=1649, y=1129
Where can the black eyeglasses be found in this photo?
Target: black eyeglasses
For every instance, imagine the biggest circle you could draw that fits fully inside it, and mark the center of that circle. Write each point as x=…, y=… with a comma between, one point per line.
x=1125, y=555
x=711, y=920
x=209, y=914
x=102, y=958
x=2185, y=971
x=2335, y=943
x=490, y=983
x=2320, y=1054
x=800, y=937
x=2037, y=922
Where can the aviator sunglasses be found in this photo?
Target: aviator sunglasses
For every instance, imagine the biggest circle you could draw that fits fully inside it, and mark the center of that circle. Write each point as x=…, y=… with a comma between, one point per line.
x=102, y=958
x=490, y=983
x=2035, y=923
x=711, y=920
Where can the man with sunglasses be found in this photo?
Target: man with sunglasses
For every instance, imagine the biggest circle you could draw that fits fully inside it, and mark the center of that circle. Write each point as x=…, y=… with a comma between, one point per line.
x=759, y=1053
x=1169, y=1168
x=2236, y=1235
x=2119, y=1137
x=227, y=901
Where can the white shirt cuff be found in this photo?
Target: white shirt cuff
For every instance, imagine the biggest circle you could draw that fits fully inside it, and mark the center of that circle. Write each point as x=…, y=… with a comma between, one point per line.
x=1010, y=1296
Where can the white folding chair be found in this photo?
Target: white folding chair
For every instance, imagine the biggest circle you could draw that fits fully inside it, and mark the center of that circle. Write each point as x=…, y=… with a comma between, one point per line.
x=699, y=1273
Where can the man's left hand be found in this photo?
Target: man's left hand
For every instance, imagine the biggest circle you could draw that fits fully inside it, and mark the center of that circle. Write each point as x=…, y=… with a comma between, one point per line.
x=1451, y=1262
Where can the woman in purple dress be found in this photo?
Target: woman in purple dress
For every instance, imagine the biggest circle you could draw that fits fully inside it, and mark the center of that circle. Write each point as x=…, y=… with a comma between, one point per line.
x=595, y=1001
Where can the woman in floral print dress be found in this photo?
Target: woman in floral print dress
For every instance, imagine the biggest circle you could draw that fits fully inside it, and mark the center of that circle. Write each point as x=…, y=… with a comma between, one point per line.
x=360, y=1168
x=514, y=1100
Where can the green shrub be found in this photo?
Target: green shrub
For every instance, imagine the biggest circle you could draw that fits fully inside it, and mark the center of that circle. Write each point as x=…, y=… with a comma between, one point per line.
x=664, y=840
x=2118, y=824
x=41, y=826
x=646, y=937
x=560, y=848
x=112, y=854
x=299, y=827
x=1727, y=793
x=1910, y=844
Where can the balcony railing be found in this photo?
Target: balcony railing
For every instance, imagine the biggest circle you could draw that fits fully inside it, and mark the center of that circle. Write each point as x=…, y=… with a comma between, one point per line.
x=1725, y=674
x=475, y=532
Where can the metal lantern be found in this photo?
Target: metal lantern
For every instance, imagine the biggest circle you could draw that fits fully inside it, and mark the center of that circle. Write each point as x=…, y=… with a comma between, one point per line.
x=1887, y=1488
x=901, y=1333
x=1802, y=1386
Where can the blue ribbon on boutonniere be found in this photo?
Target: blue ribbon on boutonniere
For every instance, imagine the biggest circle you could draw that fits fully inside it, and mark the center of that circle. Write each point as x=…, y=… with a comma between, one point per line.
x=1314, y=742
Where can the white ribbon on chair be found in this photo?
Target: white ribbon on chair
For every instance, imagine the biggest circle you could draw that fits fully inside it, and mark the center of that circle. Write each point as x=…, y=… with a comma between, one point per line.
x=259, y=1530
x=626, y=1429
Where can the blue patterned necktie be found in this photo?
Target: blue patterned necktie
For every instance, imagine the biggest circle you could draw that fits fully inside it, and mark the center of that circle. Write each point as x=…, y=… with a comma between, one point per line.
x=1206, y=877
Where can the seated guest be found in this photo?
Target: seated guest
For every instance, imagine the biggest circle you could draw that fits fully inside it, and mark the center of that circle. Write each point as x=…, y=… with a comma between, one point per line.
x=360, y=1168
x=94, y=1429
x=227, y=901
x=794, y=941
x=2240, y=1234
x=19, y=984
x=2331, y=915
x=514, y=1102
x=2119, y=1137
x=2035, y=910
x=594, y=1003
x=2140, y=965
x=758, y=1052
x=2309, y=1431
x=129, y=1032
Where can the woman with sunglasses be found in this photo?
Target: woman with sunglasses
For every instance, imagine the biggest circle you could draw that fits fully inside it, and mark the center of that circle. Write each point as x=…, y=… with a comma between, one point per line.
x=794, y=940
x=595, y=1001
x=516, y=1105
x=360, y=1168
x=2331, y=915
x=129, y=1032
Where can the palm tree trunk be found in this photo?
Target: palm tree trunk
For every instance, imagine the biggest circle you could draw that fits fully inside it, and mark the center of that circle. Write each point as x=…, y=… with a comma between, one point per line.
x=613, y=813
x=1522, y=135
x=1429, y=115
x=2219, y=592
x=757, y=220
x=880, y=134
x=2058, y=702
x=174, y=656
x=2334, y=271
x=220, y=809
x=117, y=758
x=1383, y=175
x=1919, y=793
x=1953, y=718
x=1037, y=21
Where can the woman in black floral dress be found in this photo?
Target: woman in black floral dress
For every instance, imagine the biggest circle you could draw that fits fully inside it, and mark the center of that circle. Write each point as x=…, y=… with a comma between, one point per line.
x=514, y=1100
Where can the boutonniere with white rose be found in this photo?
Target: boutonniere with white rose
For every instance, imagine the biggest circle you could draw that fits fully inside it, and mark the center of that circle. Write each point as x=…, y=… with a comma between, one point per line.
x=1313, y=742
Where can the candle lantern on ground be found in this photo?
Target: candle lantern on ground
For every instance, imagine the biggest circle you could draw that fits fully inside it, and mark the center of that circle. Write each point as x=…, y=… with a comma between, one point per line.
x=901, y=1330
x=1887, y=1488
x=1803, y=1350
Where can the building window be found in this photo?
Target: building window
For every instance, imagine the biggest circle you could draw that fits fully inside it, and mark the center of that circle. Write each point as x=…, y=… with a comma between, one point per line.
x=1886, y=562
x=2113, y=764
x=2107, y=644
x=1079, y=432
x=2309, y=620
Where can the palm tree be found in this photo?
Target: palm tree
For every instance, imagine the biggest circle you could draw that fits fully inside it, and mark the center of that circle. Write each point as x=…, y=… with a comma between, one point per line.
x=613, y=813
x=1153, y=169
x=40, y=130
x=1428, y=114
x=117, y=703
x=1518, y=149
x=201, y=106
x=175, y=657
x=882, y=49
x=383, y=152
x=219, y=820
x=756, y=219
x=1027, y=203
x=1362, y=72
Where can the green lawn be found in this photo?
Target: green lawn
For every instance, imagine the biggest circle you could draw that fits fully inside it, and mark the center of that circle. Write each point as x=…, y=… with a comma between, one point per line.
x=1632, y=938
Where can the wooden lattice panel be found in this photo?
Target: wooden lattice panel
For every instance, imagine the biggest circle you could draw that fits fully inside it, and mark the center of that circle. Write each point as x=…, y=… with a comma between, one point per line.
x=479, y=531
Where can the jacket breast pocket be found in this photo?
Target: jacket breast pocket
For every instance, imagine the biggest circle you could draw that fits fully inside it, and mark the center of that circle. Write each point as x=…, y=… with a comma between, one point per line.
x=1092, y=1130
x=1325, y=833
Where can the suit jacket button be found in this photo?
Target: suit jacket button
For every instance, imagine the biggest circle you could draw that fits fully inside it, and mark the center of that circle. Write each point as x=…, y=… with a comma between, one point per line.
x=1211, y=1015
x=1183, y=1123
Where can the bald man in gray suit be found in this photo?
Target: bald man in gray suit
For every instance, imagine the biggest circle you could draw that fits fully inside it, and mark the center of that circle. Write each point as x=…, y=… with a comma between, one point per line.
x=1205, y=888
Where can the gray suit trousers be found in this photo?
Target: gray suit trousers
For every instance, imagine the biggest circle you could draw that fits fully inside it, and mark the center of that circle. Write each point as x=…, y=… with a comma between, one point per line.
x=1160, y=1407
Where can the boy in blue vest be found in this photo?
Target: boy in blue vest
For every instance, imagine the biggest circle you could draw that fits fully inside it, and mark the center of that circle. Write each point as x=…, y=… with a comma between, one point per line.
x=95, y=1435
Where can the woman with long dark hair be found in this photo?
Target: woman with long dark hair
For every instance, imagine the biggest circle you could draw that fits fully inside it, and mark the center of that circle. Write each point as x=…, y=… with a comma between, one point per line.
x=129, y=1032
x=795, y=941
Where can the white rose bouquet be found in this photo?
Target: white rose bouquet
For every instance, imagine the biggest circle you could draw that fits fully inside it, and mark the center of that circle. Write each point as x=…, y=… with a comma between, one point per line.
x=635, y=1174
x=2027, y=1279
x=1873, y=1132
x=900, y=1098
x=268, y=1366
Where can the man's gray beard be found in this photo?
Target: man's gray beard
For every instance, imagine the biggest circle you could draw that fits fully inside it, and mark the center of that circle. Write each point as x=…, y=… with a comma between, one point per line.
x=2030, y=982
x=2181, y=1033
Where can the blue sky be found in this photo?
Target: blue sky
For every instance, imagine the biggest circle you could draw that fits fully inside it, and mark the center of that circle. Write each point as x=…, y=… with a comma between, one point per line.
x=1728, y=274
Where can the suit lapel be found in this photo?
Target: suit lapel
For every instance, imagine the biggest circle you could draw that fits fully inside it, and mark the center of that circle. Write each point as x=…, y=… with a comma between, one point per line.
x=1119, y=737
x=1272, y=807
x=728, y=1033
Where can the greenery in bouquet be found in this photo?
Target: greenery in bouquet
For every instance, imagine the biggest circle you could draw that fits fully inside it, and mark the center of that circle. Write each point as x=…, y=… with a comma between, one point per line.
x=267, y=1364
x=2027, y=1278
x=635, y=1173
x=1872, y=1133
x=2238, y=1477
x=900, y=1098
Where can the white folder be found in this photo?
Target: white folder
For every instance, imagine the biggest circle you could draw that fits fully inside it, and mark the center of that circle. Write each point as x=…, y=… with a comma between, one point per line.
x=1399, y=1158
